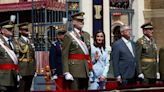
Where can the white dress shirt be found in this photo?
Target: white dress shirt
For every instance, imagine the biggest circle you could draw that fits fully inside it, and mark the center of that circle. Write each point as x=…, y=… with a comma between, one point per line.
x=129, y=45
x=25, y=38
x=7, y=40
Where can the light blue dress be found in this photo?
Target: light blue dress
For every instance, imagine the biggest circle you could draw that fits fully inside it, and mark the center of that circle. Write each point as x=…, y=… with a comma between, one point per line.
x=100, y=67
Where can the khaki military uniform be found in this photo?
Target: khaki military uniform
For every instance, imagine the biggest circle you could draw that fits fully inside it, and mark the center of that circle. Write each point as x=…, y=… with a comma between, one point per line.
x=147, y=57
x=86, y=38
x=26, y=59
x=77, y=68
x=75, y=55
x=27, y=62
x=8, y=62
x=7, y=77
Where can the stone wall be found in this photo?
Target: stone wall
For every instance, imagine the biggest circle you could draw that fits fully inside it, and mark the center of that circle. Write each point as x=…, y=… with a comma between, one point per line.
x=154, y=12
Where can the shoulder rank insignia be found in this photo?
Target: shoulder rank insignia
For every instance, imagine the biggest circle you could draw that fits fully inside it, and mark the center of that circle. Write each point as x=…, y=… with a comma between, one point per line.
x=141, y=41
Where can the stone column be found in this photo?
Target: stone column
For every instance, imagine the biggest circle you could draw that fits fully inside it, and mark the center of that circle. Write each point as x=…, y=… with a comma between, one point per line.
x=138, y=18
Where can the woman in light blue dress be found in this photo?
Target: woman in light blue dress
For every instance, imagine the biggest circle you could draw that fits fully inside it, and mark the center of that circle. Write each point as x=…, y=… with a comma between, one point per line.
x=100, y=61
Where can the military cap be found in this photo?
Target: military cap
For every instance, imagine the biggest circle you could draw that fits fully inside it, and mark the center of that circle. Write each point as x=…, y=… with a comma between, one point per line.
x=147, y=26
x=51, y=27
x=23, y=26
x=6, y=24
x=60, y=30
x=78, y=16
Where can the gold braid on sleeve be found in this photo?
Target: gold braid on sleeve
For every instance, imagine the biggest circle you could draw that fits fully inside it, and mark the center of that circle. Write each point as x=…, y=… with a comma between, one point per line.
x=23, y=51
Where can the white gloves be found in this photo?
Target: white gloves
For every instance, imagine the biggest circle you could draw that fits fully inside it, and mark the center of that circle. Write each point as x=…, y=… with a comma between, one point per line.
x=141, y=76
x=91, y=76
x=68, y=76
x=158, y=75
x=118, y=78
x=54, y=77
x=35, y=74
x=19, y=77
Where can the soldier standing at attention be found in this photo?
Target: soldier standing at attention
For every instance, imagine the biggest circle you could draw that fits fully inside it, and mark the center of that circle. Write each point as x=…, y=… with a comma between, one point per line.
x=147, y=55
x=8, y=60
x=27, y=62
x=75, y=54
x=55, y=58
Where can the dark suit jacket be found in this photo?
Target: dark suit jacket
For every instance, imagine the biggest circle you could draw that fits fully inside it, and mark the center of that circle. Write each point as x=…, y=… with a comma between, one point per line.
x=124, y=63
x=55, y=58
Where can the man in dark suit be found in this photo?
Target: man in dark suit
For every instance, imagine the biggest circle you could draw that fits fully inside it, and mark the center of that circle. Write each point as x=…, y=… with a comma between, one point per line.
x=26, y=60
x=55, y=58
x=75, y=54
x=8, y=60
x=124, y=58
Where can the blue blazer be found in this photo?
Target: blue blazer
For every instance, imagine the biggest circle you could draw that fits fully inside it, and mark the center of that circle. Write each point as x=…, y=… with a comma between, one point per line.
x=55, y=58
x=124, y=63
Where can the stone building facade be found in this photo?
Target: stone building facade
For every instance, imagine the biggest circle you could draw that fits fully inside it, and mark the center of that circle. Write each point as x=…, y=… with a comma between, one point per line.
x=144, y=11
x=154, y=12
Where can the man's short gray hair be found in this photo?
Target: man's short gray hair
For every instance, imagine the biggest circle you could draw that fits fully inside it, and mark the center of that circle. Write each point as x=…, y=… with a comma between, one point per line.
x=124, y=27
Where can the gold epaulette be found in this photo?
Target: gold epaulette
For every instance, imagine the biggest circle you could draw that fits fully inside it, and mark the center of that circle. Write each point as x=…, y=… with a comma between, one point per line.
x=140, y=41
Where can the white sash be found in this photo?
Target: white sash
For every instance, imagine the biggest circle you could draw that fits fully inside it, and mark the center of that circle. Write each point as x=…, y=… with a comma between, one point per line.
x=81, y=43
x=10, y=52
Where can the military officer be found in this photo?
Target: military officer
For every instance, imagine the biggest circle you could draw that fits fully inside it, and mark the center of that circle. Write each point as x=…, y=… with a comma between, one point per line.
x=10, y=42
x=26, y=59
x=147, y=55
x=8, y=59
x=55, y=58
x=75, y=54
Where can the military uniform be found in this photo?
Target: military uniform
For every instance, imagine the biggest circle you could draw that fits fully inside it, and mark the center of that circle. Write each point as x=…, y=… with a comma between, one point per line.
x=27, y=61
x=55, y=59
x=75, y=55
x=8, y=62
x=147, y=56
